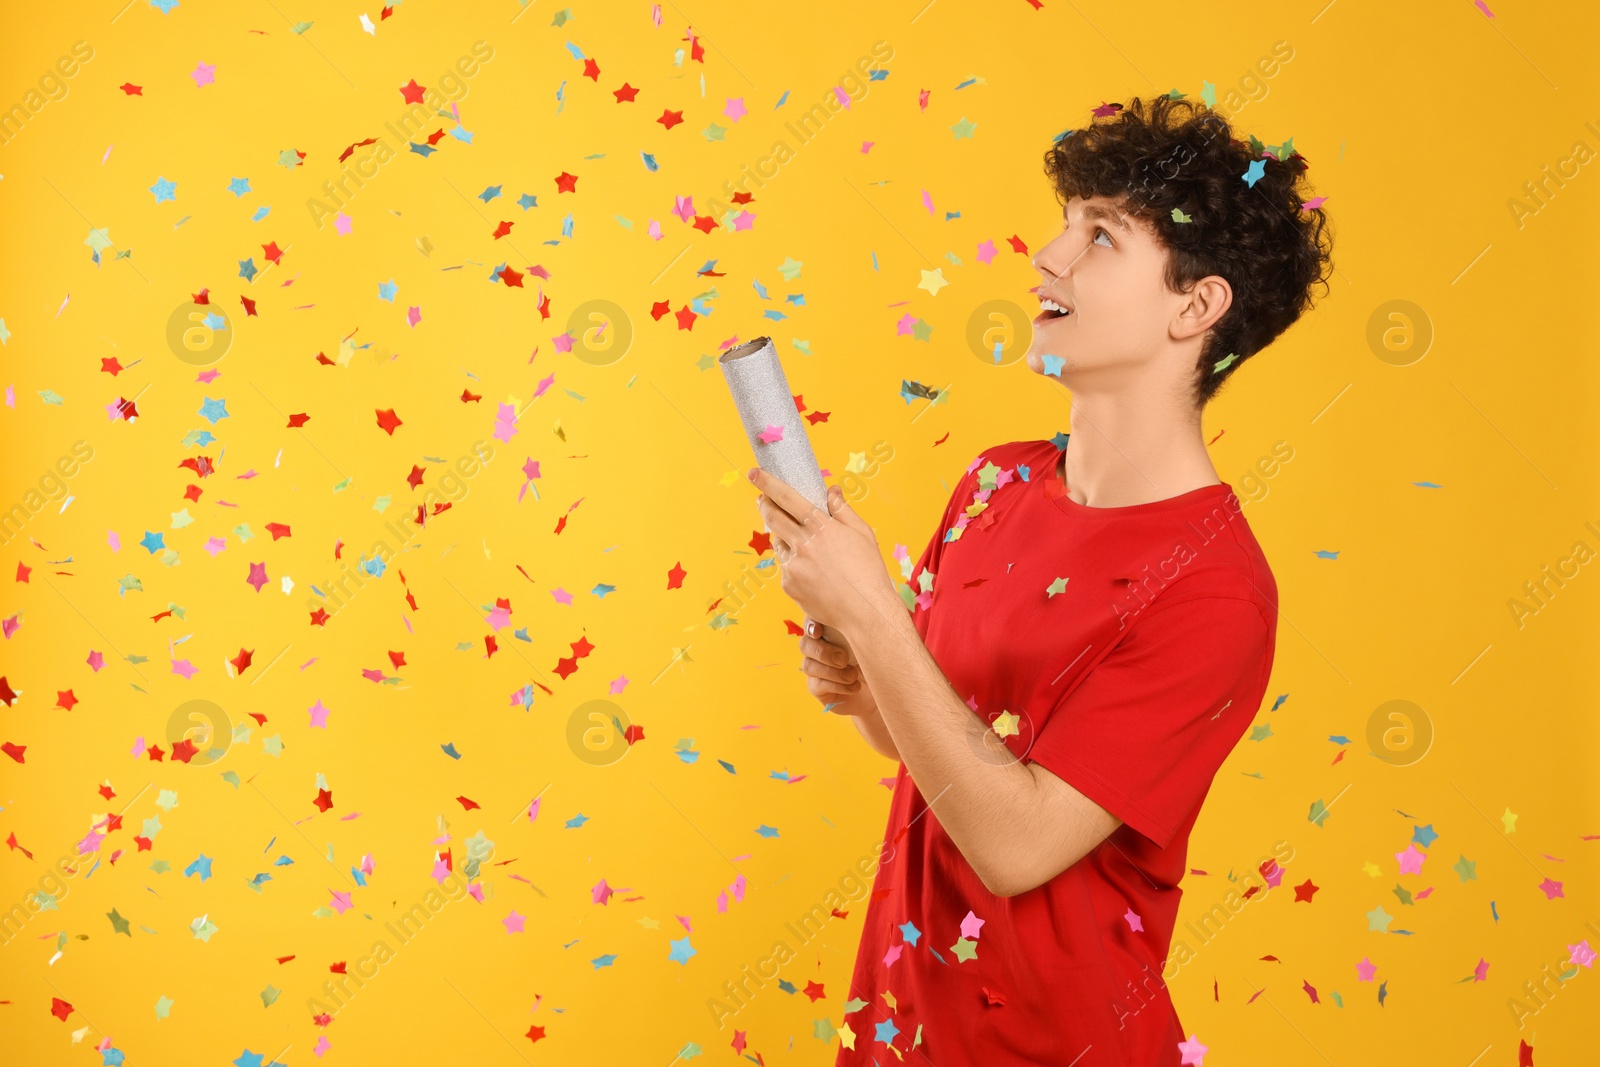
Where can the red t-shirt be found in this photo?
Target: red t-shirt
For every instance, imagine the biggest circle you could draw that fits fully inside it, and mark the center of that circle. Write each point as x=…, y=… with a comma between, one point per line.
x=1131, y=683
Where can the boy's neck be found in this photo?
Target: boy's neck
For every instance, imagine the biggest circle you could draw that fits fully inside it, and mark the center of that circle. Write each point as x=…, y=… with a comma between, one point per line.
x=1124, y=452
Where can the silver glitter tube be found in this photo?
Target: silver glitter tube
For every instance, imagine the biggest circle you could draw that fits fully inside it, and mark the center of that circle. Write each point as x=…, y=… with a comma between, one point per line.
x=771, y=422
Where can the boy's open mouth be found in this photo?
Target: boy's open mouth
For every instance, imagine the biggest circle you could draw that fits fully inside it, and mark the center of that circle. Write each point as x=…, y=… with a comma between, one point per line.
x=1049, y=309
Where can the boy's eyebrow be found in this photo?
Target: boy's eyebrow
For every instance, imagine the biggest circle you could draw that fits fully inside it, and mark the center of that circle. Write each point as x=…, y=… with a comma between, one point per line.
x=1096, y=211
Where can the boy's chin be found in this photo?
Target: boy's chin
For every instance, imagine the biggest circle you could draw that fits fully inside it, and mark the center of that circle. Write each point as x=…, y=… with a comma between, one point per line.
x=1035, y=361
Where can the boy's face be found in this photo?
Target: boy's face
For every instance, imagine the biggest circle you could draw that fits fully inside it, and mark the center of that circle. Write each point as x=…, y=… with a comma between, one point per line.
x=1107, y=267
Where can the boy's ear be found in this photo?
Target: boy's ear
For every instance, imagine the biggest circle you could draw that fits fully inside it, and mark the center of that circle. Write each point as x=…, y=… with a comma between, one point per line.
x=1208, y=301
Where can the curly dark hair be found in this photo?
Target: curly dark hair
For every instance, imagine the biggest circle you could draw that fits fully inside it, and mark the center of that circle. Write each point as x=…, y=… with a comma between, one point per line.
x=1169, y=153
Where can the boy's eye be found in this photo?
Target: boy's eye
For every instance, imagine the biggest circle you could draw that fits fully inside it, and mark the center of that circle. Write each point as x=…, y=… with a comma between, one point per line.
x=1100, y=232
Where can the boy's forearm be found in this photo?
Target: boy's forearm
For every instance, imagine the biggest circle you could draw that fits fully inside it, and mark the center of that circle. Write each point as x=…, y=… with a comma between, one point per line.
x=876, y=733
x=982, y=805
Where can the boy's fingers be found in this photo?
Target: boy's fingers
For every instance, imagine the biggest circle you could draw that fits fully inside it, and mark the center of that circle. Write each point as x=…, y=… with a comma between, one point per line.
x=842, y=675
x=827, y=653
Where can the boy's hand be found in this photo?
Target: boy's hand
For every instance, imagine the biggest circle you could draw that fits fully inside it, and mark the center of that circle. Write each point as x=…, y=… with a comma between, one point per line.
x=832, y=674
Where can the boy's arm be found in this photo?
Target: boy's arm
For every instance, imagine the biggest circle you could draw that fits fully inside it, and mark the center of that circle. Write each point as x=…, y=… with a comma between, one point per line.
x=876, y=733
x=1017, y=824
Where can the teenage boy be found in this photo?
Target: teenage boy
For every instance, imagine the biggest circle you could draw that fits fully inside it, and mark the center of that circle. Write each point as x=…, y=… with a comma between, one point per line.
x=1092, y=625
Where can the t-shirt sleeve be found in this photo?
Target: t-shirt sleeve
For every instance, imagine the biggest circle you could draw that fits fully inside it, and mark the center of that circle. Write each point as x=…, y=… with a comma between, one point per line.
x=1146, y=730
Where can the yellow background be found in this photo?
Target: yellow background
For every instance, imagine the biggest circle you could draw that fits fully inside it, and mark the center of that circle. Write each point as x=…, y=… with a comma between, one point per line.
x=1421, y=123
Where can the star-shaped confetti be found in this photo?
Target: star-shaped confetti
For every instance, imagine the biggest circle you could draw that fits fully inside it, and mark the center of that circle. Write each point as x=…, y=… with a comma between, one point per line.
x=933, y=281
